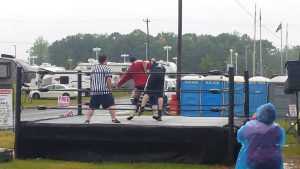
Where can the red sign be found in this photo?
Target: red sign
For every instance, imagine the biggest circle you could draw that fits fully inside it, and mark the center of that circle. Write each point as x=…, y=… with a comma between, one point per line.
x=5, y=91
x=63, y=101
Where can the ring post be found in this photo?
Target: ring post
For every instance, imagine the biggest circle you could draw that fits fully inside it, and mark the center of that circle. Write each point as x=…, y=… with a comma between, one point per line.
x=18, y=110
x=79, y=97
x=231, y=116
x=246, y=94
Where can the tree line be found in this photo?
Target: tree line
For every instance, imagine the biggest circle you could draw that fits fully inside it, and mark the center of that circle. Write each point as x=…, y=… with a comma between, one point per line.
x=200, y=53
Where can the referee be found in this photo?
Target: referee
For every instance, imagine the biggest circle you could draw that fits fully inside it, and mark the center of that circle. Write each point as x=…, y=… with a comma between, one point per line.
x=101, y=86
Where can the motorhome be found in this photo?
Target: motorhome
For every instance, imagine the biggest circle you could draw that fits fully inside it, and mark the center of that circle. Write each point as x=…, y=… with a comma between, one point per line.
x=37, y=78
x=116, y=68
x=171, y=68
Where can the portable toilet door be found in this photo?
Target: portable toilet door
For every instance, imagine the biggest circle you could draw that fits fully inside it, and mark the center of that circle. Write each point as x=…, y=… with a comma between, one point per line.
x=190, y=95
x=239, y=85
x=238, y=96
x=212, y=102
x=277, y=96
x=258, y=92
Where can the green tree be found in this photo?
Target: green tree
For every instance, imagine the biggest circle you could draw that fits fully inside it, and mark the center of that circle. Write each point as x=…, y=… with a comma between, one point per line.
x=40, y=50
x=207, y=63
x=200, y=53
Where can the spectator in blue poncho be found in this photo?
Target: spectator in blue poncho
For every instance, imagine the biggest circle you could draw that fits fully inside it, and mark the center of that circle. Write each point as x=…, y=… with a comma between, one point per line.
x=261, y=140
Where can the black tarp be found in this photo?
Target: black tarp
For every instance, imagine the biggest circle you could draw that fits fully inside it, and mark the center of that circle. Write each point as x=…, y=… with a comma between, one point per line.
x=124, y=143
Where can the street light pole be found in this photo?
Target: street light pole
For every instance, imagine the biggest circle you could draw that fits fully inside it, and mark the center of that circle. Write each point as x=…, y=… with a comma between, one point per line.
x=148, y=44
x=124, y=56
x=167, y=48
x=231, y=50
x=31, y=57
x=15, y=46
x=70, y=61
x=236, y=54
x=97, y=50
x=175, y=58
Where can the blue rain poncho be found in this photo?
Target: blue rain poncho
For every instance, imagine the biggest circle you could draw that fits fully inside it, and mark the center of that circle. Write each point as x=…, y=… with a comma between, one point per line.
x=261, y=140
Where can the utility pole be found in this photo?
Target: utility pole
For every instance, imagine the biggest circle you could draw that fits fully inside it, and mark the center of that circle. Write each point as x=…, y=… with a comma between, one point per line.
x=146, y=51
x=247, y=57
x=148, y=44
x=260, y=46
x=254, y=44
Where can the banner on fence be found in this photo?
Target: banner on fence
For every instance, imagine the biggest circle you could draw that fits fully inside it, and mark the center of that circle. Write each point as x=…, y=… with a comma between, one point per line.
x=6, y=108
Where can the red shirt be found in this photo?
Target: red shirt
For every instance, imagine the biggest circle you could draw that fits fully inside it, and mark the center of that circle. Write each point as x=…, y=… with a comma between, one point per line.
x=137, y=73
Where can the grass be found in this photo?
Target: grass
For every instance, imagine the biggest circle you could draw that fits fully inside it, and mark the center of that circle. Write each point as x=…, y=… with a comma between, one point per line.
x=54, y=164
x=292, y=147
x=7, y=139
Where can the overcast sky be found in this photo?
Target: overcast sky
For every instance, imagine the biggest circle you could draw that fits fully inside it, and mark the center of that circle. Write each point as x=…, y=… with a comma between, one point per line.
x=22, y=21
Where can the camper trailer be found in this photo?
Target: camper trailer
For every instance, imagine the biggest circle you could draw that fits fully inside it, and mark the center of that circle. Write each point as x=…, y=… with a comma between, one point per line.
x=116, y=68
x=37, y=78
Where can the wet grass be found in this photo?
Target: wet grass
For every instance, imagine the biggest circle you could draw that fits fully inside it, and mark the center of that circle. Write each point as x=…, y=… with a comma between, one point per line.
x=292, y=147
x=54, y=164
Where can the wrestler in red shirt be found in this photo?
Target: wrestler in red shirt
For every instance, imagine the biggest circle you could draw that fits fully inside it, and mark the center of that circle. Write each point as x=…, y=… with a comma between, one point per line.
x=138, y=73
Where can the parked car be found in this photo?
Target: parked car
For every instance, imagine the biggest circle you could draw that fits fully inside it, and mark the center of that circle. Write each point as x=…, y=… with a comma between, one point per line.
x=84, y=85
x=53, y=91
x=170, y=86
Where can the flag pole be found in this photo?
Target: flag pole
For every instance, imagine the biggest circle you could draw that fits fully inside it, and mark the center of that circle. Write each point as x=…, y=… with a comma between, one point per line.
x=260, y=52
x=281, y=64
x=254, y=39
x=286, y=46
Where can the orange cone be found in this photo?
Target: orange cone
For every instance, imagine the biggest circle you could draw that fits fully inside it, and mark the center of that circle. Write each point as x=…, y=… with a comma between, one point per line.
x=174, y=106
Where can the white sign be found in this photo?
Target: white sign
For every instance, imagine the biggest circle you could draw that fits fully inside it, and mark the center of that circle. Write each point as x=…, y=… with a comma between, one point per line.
x=6, y=108
x=293, y=110
x=63, y=101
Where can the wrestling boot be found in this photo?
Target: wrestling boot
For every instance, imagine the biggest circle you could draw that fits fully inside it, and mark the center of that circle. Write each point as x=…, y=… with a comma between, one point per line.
x=142, y=109
x=159, y=115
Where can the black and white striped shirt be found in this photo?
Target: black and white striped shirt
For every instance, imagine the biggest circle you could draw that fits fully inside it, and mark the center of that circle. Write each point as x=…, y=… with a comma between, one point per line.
x=99, y=75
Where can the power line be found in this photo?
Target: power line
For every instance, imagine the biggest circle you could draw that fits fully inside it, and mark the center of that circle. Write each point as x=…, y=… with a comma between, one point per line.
x=16, y=42
x=148, y=43
x=249, y=13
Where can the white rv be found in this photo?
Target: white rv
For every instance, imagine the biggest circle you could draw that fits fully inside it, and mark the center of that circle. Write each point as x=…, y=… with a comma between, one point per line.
x=37, y=79
x=116, y=68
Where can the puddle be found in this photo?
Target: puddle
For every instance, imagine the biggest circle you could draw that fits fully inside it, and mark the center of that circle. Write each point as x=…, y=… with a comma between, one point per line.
x=292, y=164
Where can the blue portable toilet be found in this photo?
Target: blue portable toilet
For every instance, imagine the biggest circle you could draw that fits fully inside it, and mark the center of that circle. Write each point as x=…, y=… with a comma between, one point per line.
x=258, y=92
x=213, y=101
x=239, y=82
x=190, y=95
x=277, y=96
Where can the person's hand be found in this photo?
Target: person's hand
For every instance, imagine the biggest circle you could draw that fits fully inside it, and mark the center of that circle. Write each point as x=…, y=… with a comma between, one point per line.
x=245, y=120
x=253, y=117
